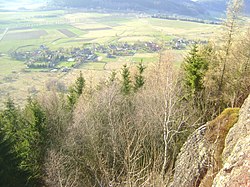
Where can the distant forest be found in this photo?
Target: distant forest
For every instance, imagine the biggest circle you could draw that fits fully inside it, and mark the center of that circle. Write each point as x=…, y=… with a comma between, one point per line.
x=198, y=9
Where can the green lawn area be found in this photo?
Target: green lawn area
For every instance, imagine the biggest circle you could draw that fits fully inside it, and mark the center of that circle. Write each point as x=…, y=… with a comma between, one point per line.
x=144, y=60
x=102, y=28
x=93, y=27
x=29, y=70
x=93, y=66
x=66, y=64
x=9, y=66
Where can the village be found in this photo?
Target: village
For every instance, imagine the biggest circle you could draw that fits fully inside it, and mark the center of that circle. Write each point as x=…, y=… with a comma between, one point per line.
x=182, y=43
x=45, y=58
x=64, y=59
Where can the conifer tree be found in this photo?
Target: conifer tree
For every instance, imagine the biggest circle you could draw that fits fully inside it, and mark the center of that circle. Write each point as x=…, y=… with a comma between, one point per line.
x=79, y=85
x=76, y=90
x=13, y=145
x=35, y=138
x=10, y=173
x=139, y=79
x=195, y=68
x=112, y=77
x=10, y=119
x=126, y=80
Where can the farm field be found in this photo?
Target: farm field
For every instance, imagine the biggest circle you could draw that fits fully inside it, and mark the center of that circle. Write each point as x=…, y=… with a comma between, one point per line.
x=24, y=31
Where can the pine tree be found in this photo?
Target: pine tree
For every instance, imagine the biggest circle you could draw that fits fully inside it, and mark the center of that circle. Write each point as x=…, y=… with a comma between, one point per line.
x=76, y=90
x=139, y=79
x=11, y=147
x=112, y=77
x=126, y=80
x=26, y=130
x=35, y=140
x=10, y=173
x=10, y=118
x=79, y=85
x=195, y=68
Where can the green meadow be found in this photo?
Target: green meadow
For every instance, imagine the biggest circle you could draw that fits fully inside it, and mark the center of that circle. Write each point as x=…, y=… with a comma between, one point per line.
x=69, y=29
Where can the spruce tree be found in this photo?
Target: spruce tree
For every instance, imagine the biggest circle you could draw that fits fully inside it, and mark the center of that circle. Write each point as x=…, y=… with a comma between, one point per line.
x=139, y=79
x=11, y=147
x=112, y=77
x=126, y=80
x=195, y=68
x=10, y=119
x=76, y=90
x=26, y=132
x=35, y=140
x=10, y=173
x=79, y=85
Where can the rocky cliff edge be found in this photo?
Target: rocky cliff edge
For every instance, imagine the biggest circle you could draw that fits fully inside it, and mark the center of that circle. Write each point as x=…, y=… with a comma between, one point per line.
x=218, y=153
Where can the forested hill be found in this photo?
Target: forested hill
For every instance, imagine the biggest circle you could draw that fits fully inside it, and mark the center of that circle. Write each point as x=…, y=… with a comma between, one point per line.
x=193, y=8
x=204, y=9
x=185, y=7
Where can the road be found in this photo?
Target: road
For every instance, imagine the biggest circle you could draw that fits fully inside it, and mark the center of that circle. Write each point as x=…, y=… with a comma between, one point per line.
x=4, y=33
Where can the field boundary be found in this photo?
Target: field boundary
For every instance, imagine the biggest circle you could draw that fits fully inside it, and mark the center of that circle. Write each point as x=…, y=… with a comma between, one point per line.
x=4, y=33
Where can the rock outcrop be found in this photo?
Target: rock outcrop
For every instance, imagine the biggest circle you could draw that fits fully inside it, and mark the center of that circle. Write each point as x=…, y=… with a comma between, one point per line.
x=192, y=162
x=236, y=155
x=218, y=153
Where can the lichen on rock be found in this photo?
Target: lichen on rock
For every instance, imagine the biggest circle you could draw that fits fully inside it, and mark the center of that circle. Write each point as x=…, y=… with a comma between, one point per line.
x=200, y=158
x=236, y=155
x=218, y=153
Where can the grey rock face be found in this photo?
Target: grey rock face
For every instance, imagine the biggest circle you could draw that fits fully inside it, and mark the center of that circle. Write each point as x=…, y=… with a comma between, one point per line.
x=218, y=153
x=193, y=160
x=236, y=155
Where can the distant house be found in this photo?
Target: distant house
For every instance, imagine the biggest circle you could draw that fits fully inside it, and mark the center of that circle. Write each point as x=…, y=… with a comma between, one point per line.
x=182, y=43
x=65, y=69
x=43, y=47
x=54, y=70
x=110, y=56
x=92, y=57
x=71, y=60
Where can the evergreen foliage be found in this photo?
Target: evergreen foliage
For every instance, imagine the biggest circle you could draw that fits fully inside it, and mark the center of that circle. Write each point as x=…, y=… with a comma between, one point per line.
x=126, y=81
x=195, y=67
x=26, y=130
x=10, y=118
x=112, y=77
x=139, y=79
x=76, y=90
x=34, y=139
x=79, y=85
x=10, y=173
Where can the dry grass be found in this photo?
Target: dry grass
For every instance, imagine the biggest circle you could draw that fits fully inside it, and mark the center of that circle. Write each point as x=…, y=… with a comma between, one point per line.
x=219, y=127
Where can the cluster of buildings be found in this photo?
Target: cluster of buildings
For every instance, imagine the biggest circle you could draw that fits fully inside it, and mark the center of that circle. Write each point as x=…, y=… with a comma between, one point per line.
x=125, y=49
x=43, y=57
x=182, y=43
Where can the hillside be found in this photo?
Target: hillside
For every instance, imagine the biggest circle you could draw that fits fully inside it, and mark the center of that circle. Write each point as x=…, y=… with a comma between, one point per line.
x=186, y=7
x=206, y=9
